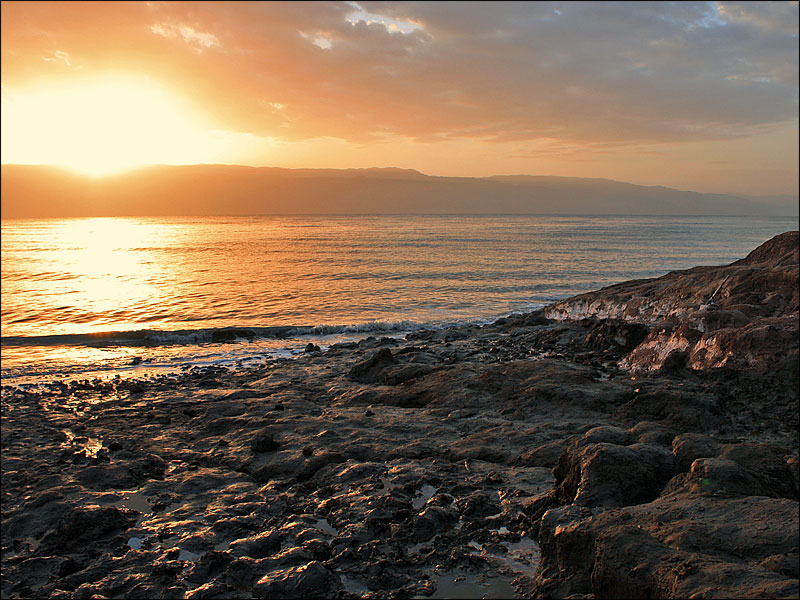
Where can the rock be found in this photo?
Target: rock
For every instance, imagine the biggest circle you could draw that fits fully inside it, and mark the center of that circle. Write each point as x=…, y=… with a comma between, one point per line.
x=368, y=371
x=402, y=374
x=767, y=465
x=310, y=347
x=591, y=473
x=740, y=470
x=311, y=579
x=83, y=526
x=317, y=462
x=433, y=520
x=264, y=442
x=241, y=573
x=616, y=334
x=231, y=334
x=673, y=547
x=545, y=455
x=688, y=447
x=743, y=314
x=261, y=545
x=209, y=565
x=678, y=410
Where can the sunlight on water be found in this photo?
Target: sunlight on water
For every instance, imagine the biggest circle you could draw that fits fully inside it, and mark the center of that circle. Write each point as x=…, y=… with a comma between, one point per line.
x=85, y=276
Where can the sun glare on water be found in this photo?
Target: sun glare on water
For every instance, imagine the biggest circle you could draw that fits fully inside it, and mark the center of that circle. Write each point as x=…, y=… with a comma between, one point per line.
x=103, y=126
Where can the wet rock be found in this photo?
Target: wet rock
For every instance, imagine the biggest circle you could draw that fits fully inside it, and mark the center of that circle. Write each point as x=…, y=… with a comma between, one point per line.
x=230, y=335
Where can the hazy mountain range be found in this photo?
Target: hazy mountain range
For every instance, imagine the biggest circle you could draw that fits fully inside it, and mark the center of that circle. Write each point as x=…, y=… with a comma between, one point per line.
x=195, y=190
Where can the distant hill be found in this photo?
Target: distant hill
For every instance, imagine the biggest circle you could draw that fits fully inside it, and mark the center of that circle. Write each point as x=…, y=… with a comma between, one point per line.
x=195, y=190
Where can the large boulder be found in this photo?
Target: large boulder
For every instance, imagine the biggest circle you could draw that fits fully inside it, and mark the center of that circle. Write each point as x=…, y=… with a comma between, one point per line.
x=674, y=547
x=742, y=315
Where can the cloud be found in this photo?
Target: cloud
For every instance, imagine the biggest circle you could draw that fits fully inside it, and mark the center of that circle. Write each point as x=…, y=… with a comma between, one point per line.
x=623, y=73
x=58, y=56
x=200, y=40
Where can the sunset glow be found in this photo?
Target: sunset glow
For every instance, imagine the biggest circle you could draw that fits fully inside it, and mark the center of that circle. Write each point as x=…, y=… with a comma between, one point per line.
x=105, y=125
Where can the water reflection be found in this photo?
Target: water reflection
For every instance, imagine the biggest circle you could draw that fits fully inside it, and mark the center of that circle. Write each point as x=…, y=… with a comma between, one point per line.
x=81, y=274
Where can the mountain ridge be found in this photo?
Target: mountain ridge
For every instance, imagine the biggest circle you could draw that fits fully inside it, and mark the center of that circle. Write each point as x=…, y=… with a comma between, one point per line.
x=37, y=191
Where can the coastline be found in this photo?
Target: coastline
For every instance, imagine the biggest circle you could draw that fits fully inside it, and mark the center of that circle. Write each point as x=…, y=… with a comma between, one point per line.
x=530, y=456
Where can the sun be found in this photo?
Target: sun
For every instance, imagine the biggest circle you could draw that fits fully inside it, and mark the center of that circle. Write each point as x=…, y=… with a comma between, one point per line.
x=103, y=126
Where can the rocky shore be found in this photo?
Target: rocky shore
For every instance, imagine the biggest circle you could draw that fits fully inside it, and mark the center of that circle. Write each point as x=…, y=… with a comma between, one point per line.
x=637, y=441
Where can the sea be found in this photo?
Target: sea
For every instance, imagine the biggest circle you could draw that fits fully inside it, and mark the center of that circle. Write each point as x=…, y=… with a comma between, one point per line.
x=104, y=297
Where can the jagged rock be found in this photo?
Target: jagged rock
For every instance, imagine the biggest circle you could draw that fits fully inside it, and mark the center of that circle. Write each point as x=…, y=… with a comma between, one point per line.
x=369, y=371
x=258, y=546
x=85, y=525
x=591, y=472
x=312, y=579
x=264, y=442
x=616, y=333
x=744, y=314
x=674, y=547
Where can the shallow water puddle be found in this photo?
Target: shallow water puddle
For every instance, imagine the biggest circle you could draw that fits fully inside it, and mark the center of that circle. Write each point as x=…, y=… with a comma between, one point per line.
x=325, y=527
x=388, y=485
x=416, y=548
x=462, y=584
x=501, y=531
x=522, y=557
x=352, y=586
x=425, y=494
x=135, y=501
x=188, y=555
x=135, y=542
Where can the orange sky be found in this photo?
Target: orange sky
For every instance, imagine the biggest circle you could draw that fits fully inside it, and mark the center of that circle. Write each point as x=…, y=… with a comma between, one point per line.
x=700, y=96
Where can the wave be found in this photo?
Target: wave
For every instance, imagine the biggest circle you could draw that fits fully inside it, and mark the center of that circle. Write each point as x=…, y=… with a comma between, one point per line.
x=217, y=335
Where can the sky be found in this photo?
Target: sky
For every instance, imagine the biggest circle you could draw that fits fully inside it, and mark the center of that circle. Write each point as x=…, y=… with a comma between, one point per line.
x=693, y=95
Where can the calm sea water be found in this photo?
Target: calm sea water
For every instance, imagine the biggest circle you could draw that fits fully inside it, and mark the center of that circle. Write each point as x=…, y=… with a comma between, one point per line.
x=87, y=295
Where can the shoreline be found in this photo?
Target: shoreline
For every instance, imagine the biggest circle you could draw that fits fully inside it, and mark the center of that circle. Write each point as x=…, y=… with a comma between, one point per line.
x=517, y=457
